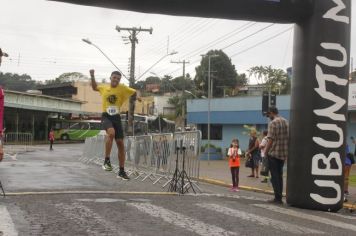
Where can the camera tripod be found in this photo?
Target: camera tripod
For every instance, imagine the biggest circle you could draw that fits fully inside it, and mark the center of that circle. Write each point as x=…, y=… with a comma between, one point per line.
x=2, y=189
x=177, y=182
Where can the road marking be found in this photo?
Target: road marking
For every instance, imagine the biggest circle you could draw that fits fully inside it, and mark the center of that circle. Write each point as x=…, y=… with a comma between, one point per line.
x=90, y=192
x=226, y=196
x=100, y=200
x=140, y=200
x=181, y=220
x=7, y=227
x=88, y=220
x=341, y=215
x=305, y=216
x=264, y=221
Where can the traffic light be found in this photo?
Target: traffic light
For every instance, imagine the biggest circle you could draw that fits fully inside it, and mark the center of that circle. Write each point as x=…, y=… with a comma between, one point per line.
x=268, y=99
x=265, y=103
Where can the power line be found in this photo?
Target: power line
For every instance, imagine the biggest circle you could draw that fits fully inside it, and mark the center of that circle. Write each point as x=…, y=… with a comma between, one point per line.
x=238, y=41
x=262, y=42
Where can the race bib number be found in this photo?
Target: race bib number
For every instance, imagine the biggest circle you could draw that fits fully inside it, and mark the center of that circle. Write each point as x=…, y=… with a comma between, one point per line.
x=112, y=110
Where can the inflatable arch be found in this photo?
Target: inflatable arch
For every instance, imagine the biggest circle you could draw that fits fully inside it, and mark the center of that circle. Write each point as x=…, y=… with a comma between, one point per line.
x=319, y=87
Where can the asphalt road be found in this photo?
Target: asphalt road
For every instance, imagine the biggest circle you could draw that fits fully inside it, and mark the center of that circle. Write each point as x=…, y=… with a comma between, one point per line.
x=55, y=193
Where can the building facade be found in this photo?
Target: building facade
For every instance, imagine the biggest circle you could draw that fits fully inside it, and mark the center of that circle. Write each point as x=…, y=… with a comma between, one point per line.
x=228, y=116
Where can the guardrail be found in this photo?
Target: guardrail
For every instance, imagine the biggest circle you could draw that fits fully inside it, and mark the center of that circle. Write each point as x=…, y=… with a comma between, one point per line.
x=150, y=157
x=18, y=138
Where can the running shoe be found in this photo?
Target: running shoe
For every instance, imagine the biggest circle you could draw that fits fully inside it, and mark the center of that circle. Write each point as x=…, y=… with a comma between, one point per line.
x=107, y=165
x=122, y=175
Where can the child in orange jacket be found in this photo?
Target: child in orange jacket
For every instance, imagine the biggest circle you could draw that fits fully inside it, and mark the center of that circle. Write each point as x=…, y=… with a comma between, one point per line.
x=234, y=163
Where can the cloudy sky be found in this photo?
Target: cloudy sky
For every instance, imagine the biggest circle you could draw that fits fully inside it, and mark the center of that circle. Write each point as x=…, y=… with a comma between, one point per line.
x=44, y=40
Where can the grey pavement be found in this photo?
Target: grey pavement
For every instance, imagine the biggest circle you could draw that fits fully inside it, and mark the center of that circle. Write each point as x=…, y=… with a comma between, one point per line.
x=218, y=171
x=54, y=193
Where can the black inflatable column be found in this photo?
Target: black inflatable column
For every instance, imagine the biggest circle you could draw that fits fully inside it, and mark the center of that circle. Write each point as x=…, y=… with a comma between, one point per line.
x=319, y=107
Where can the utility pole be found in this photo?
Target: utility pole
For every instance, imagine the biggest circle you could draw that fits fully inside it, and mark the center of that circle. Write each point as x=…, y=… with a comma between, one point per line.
x=183, y=89
x=133, y=39
x=210, y=92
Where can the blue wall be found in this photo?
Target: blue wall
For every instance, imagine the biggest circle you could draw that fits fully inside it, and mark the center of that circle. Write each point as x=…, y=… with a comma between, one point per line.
x=235, y=112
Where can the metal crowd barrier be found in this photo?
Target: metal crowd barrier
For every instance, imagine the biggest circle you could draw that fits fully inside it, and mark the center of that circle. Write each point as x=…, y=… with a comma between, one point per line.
x=18, y=138
x=150, y=157
x=17, y=142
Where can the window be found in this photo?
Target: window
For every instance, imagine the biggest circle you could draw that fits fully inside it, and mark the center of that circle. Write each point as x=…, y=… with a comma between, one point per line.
x=215, y=131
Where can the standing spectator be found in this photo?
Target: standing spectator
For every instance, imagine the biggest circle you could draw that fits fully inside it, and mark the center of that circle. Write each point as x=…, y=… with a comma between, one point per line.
x=234, y=163
x=51, y=139
x=262, y=147
x=254, y=153
x=277, y=151
x=349, y=160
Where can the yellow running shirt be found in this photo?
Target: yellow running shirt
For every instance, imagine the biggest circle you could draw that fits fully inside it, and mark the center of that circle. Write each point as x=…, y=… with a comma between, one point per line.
x=113, y=98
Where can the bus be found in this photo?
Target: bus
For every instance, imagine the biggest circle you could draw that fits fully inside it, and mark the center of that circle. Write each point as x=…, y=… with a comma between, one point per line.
x=81, y=129
x=149, y=124
x=75, y=129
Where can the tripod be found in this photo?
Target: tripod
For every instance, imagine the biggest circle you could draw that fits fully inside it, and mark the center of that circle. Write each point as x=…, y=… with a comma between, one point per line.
x=183, y=175
x=173, y=187
x=2, y=189
x=180, y=176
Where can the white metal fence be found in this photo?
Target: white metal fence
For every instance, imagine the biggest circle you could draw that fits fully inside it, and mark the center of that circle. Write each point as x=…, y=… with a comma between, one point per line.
x=18, y=138
x=150, y=157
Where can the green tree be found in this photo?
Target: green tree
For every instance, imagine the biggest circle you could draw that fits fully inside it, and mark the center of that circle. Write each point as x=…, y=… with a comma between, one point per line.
x=222, y=72
x=177, y=102
x=180, y=83
x=17, y=82
x=241, y=79
x=67, y=77
x=166, y=84
x=153, y=80
x=275, y=80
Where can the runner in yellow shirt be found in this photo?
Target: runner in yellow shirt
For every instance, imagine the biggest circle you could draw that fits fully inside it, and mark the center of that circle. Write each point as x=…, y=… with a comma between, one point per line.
x=113, y=96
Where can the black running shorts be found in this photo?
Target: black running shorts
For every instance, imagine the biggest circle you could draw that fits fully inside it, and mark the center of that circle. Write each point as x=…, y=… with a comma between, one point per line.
x=108, y=121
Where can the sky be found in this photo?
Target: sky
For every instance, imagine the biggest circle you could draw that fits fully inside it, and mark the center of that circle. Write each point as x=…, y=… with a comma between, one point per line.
x=44, y=40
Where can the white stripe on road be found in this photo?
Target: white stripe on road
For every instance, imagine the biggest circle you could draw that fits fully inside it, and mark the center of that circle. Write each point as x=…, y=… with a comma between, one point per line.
x=264, y=221
x=341, y=215
x=180, y=220
x=7, y=227
x=88, y=220
x=235, y=196
x=307, y=216
x=100, y=200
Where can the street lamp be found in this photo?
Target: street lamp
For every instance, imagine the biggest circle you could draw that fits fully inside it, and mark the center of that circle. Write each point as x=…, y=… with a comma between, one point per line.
x=91, y=43
x=187, y=91
x=209, y=98
x=169, y=54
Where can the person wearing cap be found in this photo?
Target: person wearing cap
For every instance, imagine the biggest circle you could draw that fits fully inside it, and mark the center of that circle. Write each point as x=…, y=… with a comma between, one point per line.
x=277, y=151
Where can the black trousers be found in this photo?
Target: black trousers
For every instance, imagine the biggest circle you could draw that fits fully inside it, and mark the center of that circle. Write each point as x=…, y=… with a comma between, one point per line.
x=235, y=176
x=276, y=169
x=51, y=144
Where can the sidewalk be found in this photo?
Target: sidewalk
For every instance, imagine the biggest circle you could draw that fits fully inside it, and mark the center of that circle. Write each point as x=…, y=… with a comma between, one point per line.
x=218, y=172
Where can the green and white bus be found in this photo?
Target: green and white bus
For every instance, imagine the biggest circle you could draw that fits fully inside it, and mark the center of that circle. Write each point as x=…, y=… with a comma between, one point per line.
x=75, y=129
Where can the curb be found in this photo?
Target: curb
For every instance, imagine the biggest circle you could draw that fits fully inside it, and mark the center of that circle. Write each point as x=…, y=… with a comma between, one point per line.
x=348, y=206
x=90, y=192
x=224, y=184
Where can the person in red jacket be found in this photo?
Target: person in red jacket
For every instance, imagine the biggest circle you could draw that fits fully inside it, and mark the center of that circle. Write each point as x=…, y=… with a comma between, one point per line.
x=51, y=139
x=234, y=163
